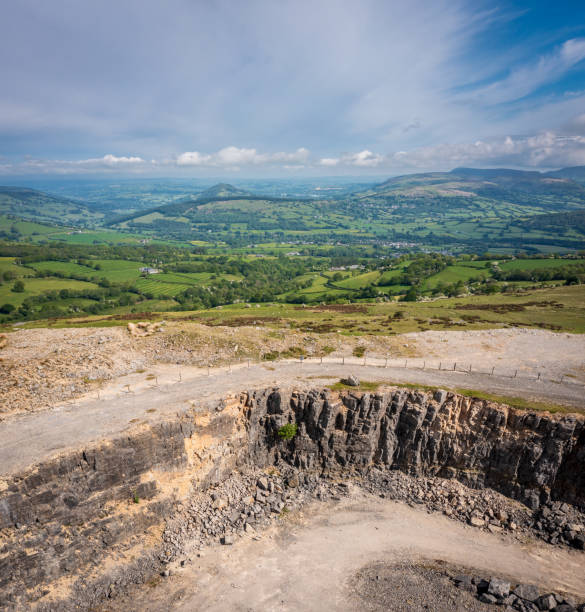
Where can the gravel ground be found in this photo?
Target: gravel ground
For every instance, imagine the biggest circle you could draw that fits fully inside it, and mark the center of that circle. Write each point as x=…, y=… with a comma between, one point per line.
x=326, y=556
x=409, y=587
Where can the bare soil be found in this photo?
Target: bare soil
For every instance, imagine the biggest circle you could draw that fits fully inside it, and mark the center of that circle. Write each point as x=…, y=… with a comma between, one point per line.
x=328, y=556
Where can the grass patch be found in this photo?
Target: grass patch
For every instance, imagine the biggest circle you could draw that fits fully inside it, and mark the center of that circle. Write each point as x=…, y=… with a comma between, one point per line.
x=517, y=402
x=363, y=386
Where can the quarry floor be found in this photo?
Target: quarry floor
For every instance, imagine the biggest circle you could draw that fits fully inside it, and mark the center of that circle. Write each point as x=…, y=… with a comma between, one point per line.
x=315, y=560
x=165, y=390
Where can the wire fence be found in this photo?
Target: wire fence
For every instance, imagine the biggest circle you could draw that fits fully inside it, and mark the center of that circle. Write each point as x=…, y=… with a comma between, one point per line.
x=419, y=364
x=412, y=364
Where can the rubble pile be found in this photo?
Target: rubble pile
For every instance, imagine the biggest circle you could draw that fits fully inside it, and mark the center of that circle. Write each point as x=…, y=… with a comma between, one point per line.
x=245, y=503
x=523, y=597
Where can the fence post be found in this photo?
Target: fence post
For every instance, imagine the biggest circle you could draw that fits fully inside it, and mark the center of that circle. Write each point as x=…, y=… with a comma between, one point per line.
x=493, y=368
x=248, y=363
x=424, y=364
x=321, y=360
x=562, y=378
x=538, y=376
x=343, y=360
x=470, y=368
x=440, y=364
x=364, y=360
x=454, y=366
x=405, y=362
x=515, y=373
x=386, y=363
x=208, y=373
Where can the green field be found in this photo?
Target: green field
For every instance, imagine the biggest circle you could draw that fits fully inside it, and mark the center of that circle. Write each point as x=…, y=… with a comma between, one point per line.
x=37, y=286
x=453, y=274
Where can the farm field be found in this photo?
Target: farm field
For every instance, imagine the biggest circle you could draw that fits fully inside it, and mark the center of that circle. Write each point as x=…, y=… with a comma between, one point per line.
x=38, y=286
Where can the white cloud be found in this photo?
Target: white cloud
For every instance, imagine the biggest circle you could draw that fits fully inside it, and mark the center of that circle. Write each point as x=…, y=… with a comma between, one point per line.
x=363, y=158
x=328, y=161
x=235, y=157
x=193, y=158
x=112, y=160
x=92, y=165
x=544, y=150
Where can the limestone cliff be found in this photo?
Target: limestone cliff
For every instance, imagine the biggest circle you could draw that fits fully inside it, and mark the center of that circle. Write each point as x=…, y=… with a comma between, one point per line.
x=529, y=456
x=73, y=520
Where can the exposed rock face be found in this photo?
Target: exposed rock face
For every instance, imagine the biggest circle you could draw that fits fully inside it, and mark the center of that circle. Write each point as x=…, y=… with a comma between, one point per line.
x=532, y=457
x=60, y=520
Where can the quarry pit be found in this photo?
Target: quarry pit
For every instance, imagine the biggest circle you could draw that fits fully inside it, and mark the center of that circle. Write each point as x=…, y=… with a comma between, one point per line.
x=182, y=494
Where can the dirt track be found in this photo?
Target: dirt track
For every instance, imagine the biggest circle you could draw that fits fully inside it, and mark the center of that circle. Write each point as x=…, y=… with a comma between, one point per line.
x=137, y=383
x=39, y=368
x=140, y=398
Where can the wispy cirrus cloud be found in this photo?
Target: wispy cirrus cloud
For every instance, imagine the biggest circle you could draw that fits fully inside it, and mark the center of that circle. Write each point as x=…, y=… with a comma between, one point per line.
x=528, y=78
x=369, y=78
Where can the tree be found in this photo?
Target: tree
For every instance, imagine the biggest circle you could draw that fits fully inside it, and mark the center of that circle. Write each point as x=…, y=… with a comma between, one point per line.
x=7, y=308
x=18, y=287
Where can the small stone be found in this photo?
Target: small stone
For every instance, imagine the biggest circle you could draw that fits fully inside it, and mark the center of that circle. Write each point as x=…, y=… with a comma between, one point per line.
x=487, y=598
x=546, y=602
x=529, y=592
x=227, y=540
x=475, y=521
x=494, y=528
x=498, y=588
x=351, y=381
x=464, y=582
x=220, y=503
x=262, y=483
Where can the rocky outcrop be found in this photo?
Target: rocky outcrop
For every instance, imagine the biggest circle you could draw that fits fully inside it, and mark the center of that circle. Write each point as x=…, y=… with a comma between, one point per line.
x=63, y=519
x=529, y=456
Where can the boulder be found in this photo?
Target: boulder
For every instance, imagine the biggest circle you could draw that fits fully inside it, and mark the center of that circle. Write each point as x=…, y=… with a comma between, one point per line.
x=351, y=381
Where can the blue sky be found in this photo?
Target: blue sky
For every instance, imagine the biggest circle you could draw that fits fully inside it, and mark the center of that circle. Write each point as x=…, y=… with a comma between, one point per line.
x=286, y=88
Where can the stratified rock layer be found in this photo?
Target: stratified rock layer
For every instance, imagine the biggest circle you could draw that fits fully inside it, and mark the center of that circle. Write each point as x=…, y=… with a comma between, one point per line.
x=529, y=456
x=61, y=520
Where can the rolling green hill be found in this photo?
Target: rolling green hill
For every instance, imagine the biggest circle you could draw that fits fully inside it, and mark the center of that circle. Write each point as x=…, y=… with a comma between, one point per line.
x=41, y=207
x=464, y=210
x=575, y=173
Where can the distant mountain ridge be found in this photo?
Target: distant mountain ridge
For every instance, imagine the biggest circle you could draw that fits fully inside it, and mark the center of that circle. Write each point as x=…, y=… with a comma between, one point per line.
x=495, y=183
x=575, y=173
